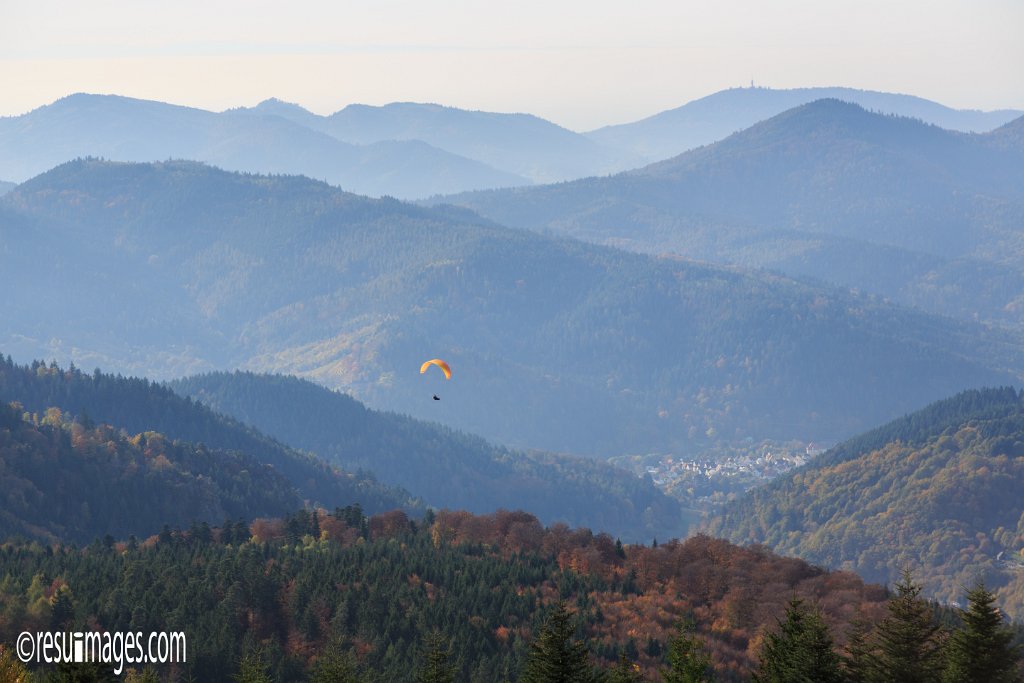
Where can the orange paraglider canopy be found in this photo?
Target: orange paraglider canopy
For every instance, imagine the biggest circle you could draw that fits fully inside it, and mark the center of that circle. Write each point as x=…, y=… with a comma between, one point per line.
x=439, y=363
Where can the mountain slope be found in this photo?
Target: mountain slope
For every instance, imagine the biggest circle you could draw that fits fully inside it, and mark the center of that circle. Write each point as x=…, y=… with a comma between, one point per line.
x=126, y=129
x=937, y=490
x=925, y=216
x=445, y=468
x=717, y=116
x=138, y=406
x=555, y=344
x=1011, y=135
x=62, y=482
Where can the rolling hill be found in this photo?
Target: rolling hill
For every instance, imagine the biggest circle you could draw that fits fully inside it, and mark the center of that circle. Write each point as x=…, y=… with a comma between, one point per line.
x=556, y=344
x=443, y=467
x=126, y=129
x=827, y=191
x=715, y=117
x=65, y=482
x=85, y=455
x=936, y=491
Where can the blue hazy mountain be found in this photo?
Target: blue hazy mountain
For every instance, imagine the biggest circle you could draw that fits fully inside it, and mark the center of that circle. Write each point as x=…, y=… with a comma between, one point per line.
x=717, y=116
x=522, y=144
x=923, y=215
x=6, y=187
x=176, y=268
x=126, y=129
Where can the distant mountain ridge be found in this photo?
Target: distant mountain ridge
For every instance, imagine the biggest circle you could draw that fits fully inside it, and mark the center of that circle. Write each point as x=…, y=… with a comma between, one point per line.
x=126, y=129
x=716, y=116
x=405, y=149
x=936, y=491
x=523, y=144
x=556, y=344
x=922, y=215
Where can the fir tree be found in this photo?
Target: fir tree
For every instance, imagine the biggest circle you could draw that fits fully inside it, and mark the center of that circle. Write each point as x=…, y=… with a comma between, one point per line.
x=335, y=666
x=555, y=656
x=252, y=669
x=436, y=653
x=907, y=639
x=800, y=651
x=981, y=651
x=859, y=652
x=688, y=662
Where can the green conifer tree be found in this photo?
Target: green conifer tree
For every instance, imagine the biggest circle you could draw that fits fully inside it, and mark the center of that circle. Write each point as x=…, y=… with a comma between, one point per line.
x=335, y=665
x=981, y=651
x=688, y=661
x=907, y=639
x=555, y=655
x=859, y=652
x=436, y=653
x=252, y=669
x=800, y=651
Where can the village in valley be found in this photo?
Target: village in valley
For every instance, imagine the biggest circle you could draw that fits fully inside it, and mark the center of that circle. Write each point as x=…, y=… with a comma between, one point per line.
x=706, y=482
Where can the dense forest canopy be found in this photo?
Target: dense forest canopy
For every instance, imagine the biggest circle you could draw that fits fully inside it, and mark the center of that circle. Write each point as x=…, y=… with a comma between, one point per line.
x=937, y=490
x=301, y=586
x=116, y=428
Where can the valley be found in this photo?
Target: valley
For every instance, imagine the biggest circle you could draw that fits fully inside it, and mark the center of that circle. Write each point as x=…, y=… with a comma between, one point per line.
x=747, y=366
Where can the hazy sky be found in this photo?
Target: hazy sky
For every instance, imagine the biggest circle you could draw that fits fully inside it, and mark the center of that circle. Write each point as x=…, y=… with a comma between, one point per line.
x=580, y=63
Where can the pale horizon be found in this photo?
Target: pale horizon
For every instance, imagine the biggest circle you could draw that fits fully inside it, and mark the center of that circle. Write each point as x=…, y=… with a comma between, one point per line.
x=580, y=65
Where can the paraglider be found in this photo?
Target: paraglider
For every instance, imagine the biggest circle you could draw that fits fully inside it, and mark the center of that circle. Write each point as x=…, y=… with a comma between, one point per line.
x=439, y=363
x=445, y=368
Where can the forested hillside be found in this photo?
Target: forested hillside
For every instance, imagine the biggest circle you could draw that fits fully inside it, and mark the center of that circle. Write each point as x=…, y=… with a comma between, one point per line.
x=922, y=215
x=141, y=407
x=445, y=468
x=937, y=491
x=169, y=269
x=312, y=587
x=75, y=482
